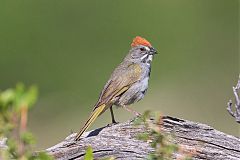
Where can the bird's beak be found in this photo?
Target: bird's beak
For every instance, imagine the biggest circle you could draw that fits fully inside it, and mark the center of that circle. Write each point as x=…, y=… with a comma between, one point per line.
x=152, y=51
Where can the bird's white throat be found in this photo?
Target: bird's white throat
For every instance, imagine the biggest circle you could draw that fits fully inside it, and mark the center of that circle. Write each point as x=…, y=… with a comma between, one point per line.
x=150, y=58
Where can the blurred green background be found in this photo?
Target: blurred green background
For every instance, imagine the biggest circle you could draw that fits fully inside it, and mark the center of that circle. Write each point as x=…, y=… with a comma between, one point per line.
x=69, y=49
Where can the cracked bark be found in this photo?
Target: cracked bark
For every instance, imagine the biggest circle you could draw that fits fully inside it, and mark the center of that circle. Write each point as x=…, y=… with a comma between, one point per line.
x=119, y=141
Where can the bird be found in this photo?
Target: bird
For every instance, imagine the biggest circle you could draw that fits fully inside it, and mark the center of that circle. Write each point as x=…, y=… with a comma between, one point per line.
x=127, y=84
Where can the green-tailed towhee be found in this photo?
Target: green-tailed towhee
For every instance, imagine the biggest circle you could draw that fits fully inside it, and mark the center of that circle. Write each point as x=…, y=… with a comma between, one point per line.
x=127, y=84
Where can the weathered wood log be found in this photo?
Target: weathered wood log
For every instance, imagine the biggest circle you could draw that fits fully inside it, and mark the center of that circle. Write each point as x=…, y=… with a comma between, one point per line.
x=119, y=141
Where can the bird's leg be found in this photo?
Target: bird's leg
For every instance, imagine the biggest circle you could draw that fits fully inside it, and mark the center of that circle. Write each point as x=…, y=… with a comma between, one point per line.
x=131, y=110
x=112, y=115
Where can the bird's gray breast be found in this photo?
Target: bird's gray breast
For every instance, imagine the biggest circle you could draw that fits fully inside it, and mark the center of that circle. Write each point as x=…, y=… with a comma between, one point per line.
x=138, y=90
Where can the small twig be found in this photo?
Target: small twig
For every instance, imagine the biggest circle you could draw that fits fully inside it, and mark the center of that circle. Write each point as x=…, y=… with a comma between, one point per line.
x=23, y=128
x=230, y=109
x=23, y=119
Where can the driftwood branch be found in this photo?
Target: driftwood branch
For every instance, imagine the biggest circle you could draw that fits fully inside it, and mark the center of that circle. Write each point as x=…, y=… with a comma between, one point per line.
x=235, y=112
x=119, y=141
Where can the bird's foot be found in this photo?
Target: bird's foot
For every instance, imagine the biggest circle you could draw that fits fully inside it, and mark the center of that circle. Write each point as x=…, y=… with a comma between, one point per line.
x=114, y=122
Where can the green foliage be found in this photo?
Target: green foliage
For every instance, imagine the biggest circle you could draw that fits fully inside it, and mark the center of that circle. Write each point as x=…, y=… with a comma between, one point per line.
x=89, y=154
x=14, y=105
x=23, y=97
x=160, y=141
x=27, y=138
x=41, y=156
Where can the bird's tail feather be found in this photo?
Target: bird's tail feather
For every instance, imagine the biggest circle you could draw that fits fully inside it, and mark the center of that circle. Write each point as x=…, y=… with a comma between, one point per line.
x=96, y=112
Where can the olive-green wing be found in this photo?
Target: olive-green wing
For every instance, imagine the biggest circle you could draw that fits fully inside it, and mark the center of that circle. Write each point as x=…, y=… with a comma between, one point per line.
x=120, y=81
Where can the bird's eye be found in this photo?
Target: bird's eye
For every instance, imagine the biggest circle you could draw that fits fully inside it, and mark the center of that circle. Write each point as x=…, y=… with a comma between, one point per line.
x=143, y=49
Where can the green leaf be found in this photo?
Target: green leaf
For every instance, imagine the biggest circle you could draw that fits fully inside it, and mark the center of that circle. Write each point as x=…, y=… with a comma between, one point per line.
x=31, y=95
x=146, y=114
x=27, y=138
x=6, y=98
x=143, y=136
x=25, y=98
x=137, y=121
x=89, y=154
x=188, y=158
x=41, y=156
x=12, y=147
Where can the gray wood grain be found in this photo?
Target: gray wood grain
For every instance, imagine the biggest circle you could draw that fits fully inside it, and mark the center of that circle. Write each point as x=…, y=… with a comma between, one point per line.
x=119, y=141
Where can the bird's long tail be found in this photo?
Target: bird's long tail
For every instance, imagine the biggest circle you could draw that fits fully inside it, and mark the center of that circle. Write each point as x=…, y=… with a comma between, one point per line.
x=96, y=112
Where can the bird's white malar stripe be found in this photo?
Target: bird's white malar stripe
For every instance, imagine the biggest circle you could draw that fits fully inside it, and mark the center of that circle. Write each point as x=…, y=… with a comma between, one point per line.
x=147, y=59
x=144, y=56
